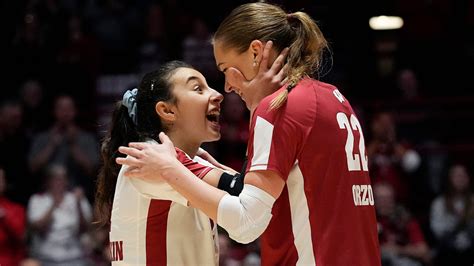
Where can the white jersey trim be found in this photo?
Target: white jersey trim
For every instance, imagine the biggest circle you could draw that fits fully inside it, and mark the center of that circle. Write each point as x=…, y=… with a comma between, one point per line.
x=262, y=142
x=300, y=217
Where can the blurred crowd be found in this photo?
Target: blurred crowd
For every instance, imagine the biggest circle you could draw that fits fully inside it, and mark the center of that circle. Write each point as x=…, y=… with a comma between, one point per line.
x=56, y=51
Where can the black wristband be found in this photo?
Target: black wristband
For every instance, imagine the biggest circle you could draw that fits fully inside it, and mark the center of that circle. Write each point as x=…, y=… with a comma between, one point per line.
x=232, y=184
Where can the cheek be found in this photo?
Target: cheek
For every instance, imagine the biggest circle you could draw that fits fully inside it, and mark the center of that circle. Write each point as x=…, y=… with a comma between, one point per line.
x=248, y=71
x=233, y=78
x=193, y=113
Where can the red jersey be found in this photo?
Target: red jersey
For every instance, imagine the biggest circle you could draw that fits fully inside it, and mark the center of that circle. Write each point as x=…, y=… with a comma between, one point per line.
x=325, y=214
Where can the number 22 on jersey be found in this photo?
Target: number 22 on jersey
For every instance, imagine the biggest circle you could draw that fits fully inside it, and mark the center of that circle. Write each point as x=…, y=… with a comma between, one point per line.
x=362, y=194
x=355, y=161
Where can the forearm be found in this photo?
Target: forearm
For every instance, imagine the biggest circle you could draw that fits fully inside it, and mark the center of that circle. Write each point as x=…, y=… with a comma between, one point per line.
x=44, y=222
x=208, y=157
x=418, y=251
x=82, y=219
x=199, y=194
x=244, y=217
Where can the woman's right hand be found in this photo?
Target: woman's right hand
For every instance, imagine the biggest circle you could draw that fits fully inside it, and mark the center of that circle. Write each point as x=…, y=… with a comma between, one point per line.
x=268, y=79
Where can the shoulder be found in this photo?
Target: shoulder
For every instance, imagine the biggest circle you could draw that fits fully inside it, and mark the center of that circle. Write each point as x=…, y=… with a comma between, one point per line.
x=305, y=92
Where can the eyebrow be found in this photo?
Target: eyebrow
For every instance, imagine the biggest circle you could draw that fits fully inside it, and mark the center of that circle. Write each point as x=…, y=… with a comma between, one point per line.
x=191, y=79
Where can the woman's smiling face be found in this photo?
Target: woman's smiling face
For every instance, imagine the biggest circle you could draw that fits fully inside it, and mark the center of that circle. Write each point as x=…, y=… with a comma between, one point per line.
x=197, y=107
x=227, y=59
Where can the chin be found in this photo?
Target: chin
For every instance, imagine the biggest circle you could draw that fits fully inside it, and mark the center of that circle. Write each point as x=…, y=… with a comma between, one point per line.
x=214, y=137
x=247, y=105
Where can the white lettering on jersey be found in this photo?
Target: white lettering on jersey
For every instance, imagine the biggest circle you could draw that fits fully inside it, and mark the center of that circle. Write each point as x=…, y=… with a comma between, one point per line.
x=362, y=195
x=338, y=95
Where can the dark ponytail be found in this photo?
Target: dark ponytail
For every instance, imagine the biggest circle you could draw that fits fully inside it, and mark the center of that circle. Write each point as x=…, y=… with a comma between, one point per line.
x=122, y=131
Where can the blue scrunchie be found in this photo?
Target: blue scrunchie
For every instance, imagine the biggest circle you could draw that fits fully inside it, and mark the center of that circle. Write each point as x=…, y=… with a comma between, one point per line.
x=129, y=101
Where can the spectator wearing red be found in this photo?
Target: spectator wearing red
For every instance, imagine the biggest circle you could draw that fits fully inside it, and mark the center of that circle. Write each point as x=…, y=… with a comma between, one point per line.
x=12, y=228
x=402, y=242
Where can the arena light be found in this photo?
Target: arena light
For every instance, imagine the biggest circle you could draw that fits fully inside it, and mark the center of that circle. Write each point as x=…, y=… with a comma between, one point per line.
x=385, y=22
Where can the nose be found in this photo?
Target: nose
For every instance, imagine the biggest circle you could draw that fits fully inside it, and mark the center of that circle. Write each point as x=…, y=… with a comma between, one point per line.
x=216, y=97
x=227, y=87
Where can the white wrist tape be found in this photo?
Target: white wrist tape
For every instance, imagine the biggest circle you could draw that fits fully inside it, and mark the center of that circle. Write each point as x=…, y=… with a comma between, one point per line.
x=245, y=217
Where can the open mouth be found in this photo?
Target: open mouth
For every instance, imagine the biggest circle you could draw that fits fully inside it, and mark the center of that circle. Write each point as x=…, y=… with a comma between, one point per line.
x=213, y=117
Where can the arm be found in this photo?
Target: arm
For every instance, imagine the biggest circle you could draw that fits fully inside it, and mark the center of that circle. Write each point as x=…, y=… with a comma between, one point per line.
x=438, y=224
x=83, y=149
x=43, y=222
x=208, y=157
x=244, y=217
x=160, y=161
x=216, y=177
x=418, y=251
x=43, y=148
x=82, y=159
x=83, y=218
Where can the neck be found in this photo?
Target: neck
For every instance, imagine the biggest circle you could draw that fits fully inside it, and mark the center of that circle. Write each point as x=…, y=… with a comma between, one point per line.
x=183, y=143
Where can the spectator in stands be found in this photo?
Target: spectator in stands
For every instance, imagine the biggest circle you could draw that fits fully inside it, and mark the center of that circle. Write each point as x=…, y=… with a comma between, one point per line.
x=14, y=144
x=402, y=241
x=12, y=227
x=391, y=160
x=452, y=219
x=34, y=106
x=67, y=144
x=408, y=84
x=58, y=217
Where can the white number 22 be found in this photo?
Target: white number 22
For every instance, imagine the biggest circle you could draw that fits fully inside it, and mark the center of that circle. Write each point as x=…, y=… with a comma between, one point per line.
x=354, y=160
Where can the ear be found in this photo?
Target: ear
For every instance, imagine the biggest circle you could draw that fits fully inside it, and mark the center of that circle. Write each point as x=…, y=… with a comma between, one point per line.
x=256, y=48
x=165, y=111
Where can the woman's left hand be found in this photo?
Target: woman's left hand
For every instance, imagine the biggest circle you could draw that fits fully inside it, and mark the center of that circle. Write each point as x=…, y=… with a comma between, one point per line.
x=149, y=160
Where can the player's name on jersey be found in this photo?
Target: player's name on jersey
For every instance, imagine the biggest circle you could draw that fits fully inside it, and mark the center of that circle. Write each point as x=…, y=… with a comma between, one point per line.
x=362, y=195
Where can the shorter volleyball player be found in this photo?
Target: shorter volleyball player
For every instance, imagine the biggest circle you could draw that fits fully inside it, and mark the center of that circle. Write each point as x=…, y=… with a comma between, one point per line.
x=150, y=223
